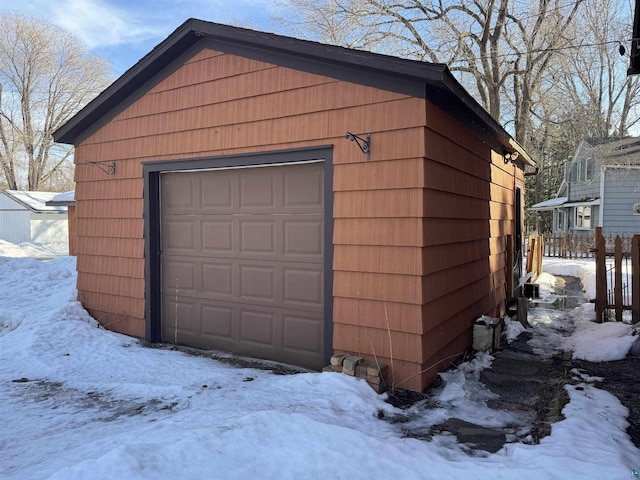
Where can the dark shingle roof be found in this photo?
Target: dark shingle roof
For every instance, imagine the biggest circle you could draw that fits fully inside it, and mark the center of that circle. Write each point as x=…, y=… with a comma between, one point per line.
x=410, y=77
x=616, y=150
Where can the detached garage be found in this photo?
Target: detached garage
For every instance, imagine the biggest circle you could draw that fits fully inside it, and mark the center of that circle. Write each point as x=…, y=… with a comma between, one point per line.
x=290, y=200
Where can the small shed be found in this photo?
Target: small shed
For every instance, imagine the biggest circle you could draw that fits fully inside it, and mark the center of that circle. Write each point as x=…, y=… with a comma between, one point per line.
x=290, y=200
x=25, y=217
x=67, y=199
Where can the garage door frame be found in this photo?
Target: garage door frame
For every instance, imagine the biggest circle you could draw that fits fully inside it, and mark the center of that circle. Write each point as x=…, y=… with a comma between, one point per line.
x=152, y=232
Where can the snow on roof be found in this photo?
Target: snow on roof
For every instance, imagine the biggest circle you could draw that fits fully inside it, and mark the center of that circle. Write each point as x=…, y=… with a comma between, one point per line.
x=585, y=203
x=35, y=201
x=549, y=204
x=63, y=199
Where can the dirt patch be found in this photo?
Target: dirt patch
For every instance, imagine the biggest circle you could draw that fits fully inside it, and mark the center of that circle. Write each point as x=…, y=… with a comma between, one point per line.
x=524, y=383
x=107, y=408
x=622, y=379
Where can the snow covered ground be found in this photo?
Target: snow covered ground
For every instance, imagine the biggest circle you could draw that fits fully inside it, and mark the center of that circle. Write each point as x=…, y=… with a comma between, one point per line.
x=80, y=402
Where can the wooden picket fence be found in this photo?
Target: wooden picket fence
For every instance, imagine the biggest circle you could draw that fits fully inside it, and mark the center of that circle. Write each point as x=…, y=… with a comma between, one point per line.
x=617, y=277
x=579, y=245
x=568, y=246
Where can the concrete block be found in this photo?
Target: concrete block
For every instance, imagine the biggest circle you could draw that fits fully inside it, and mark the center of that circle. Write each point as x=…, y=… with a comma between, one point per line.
x=375, y=369
x=486, y=334
x=350, y=363
x=361, y=371
x=328, y=368
x=338, y=359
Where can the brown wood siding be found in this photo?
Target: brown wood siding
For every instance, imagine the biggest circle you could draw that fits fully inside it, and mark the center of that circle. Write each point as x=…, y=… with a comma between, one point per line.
x=112, y=266
x=401, y=203
x=469, y=207
x=220, y=104
x=378, y=259
x=416, y=255
x=380, y=314
x=379, y=231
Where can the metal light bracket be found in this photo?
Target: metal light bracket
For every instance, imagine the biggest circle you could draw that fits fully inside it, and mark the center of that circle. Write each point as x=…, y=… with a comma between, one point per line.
x=363, y=143
x=106, y=166
x=510, y=156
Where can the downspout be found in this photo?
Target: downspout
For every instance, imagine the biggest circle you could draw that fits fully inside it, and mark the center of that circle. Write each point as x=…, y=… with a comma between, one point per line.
x=603, y=172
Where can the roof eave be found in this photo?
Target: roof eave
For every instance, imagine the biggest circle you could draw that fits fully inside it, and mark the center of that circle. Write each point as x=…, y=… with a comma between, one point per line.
x=417, y=78
x=490, y=124
x=182, y=38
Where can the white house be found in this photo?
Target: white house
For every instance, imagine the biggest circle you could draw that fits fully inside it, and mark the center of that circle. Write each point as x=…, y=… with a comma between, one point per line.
x=25, y=217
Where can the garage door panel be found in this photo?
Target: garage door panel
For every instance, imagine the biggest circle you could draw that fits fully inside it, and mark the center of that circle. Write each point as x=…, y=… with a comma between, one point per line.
x=217, y=278
x=243, y=268
x=303, y=240
x=303, y=288
x=217, y=236
x=258, y=237
x=188, y=324
x=217, y=192
x=181, y=275
x=258, y=284
x=179, y=235
x=257, y=326
x=258, y=191
x=178, y=194
x=217, y=321
x=303, y=189
x=302, y=333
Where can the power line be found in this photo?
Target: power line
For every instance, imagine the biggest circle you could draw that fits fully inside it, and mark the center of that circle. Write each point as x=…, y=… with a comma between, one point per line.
x=544, y=50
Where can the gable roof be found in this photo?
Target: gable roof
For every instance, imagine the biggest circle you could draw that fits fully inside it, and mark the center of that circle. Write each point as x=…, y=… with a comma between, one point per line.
x=34, y=201
x=420, y=79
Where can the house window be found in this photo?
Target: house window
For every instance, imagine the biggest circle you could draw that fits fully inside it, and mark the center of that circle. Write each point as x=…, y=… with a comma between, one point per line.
x=583, y=217
x=584, y=170
x=561, y=221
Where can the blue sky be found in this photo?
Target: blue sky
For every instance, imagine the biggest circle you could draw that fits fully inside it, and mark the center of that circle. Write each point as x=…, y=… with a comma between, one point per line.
x=123, y=31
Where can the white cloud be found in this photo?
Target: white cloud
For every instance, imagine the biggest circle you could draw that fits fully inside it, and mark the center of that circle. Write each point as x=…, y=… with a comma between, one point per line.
x=106, y=23
x=99, y=23
x=124, y=30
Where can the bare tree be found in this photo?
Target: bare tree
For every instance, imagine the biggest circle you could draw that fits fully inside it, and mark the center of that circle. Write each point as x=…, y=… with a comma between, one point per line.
x=585, y=93
x=46, y=76
x=501, y=49
x=597, y=93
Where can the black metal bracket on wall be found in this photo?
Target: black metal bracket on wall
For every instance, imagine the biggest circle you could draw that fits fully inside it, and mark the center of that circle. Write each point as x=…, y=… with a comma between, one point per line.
x=363, y=143
x=106, y=166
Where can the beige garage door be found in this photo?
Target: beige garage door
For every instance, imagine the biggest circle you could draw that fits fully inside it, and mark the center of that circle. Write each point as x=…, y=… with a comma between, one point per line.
x=243, y=261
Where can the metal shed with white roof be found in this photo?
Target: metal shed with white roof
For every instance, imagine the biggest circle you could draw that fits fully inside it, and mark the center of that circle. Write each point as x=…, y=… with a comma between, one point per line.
x=25, y=217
